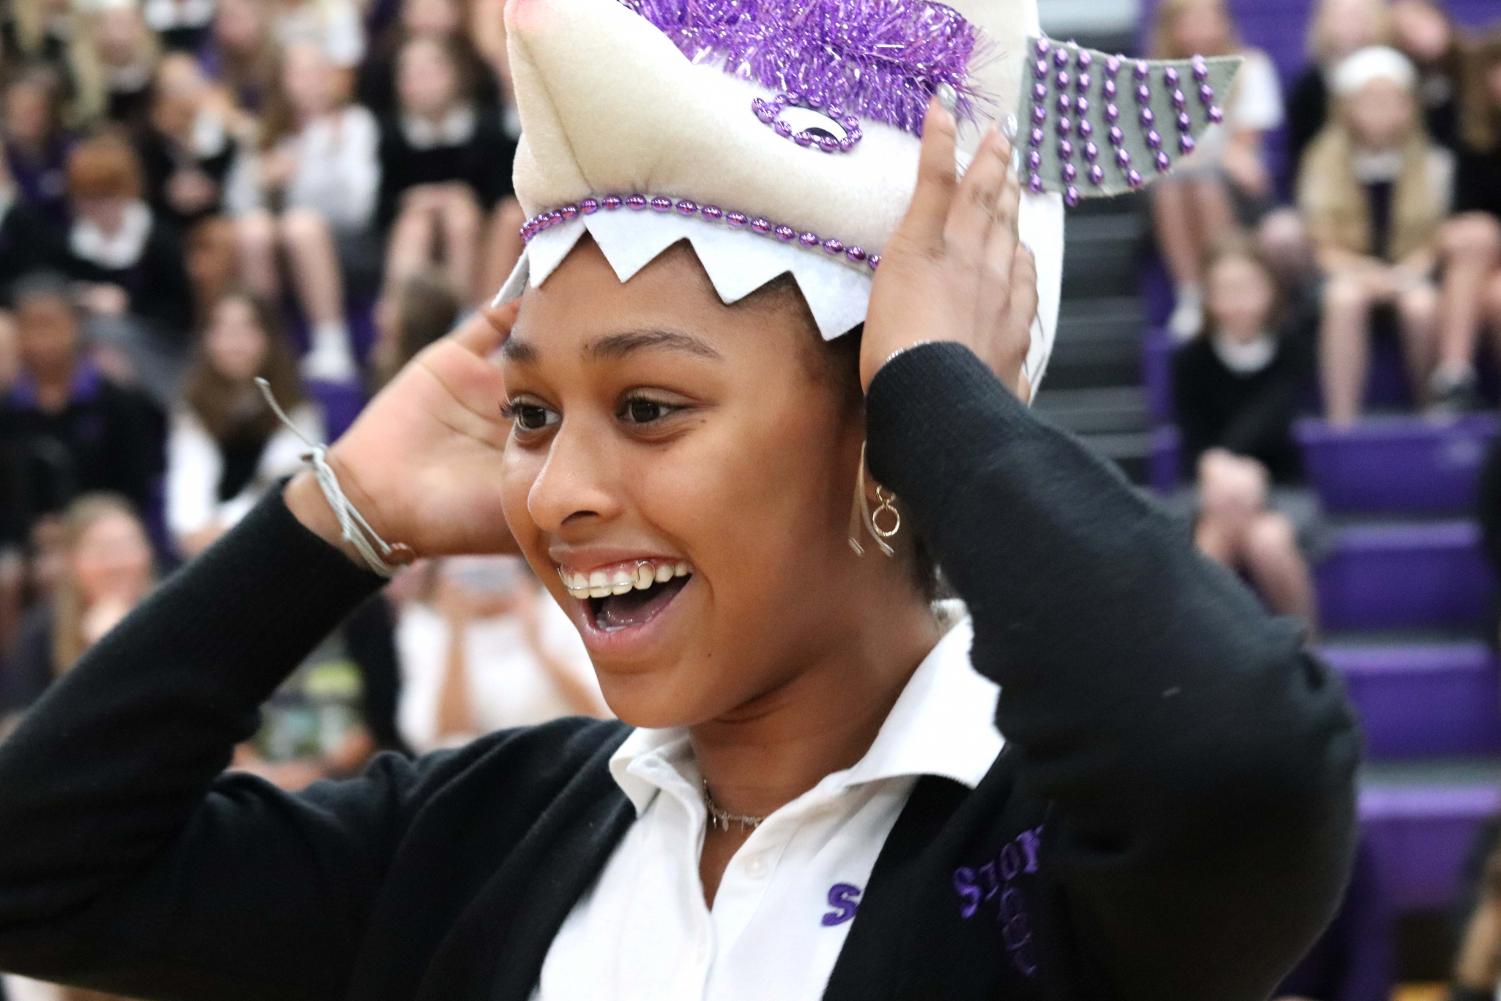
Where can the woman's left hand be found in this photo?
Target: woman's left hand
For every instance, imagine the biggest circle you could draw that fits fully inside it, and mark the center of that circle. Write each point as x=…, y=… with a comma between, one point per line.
x=955, y=269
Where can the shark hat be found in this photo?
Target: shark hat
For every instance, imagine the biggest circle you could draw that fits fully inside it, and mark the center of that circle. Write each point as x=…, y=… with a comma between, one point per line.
x=781, y=136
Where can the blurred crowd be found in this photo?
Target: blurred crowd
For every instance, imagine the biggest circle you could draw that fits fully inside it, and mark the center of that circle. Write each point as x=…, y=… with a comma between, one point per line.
x=198, y=193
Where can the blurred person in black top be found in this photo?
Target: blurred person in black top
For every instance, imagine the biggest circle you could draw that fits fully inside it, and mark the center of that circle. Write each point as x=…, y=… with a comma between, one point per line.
x=1472, y=240
x=444, y=166
x=1236, y=388
x=186, y=148
x=111, y=63
x=65, y=427
x=1337, y=29
x=240, y=55
x=27, y=237
x=1424, y=31
x=129, y=268
x=36, y=144
x=445, y=20
x=106, y=569
x=182, y=25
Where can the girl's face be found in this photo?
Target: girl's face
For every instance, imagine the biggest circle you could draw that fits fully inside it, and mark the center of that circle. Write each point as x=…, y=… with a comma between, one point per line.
x=112, y=560
x=656, y=427
x=1421, y=30
x=239, y=25
x=106, y=212
x=426, y=79
x=1241, y=297
x=180, y=95
x=1381, y=114
x=235, y=342
x=1203, y=28
x=46, y=334
x=308, y=79
x=28, y=112
x=1493, y=83
x=431, y=17
x=120, y=35
x=1349, y=25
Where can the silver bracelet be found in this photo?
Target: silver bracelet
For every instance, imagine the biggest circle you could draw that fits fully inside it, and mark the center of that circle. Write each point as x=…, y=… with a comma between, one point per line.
x=379, y=555
x=903, y=350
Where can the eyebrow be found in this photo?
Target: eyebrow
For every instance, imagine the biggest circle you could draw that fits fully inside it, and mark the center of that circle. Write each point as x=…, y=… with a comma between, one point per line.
x=616, y=346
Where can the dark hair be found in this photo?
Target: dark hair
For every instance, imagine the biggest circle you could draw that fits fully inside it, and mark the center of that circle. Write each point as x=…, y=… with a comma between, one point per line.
x=427, y=307
x=836, y=363
x=465, y=86
x=214, y=398
x=1244, y=248
x=35, y=285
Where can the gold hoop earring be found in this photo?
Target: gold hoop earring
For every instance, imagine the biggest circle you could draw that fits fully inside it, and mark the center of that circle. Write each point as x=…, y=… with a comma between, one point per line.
x=863, y=521
x=885, y=507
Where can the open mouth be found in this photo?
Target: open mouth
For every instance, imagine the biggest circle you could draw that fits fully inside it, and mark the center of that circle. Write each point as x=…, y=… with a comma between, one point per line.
x=627, y=596
x=634, y=608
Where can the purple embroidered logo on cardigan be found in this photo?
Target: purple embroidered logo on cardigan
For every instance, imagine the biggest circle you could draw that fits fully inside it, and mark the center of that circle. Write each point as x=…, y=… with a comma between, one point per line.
x=994, y=882
x=845, y=899
x=880, y=60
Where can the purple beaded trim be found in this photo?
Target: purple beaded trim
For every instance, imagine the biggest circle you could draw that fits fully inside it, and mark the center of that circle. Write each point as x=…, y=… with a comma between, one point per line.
x=1052, y=78
x=770, y=113
x=759, y=225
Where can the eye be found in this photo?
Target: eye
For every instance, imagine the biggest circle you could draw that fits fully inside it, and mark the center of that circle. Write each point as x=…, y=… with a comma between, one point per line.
x=644, y=410
x=527, y=415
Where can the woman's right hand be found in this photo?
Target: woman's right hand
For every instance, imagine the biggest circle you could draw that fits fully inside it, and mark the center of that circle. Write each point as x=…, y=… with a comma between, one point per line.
x=422, y=462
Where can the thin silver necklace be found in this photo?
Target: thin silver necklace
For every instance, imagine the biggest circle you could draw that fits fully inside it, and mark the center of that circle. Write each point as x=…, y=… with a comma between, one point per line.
x=722, y=819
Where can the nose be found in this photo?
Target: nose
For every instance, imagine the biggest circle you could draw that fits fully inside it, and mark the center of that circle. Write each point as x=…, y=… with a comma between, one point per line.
x=578, y=481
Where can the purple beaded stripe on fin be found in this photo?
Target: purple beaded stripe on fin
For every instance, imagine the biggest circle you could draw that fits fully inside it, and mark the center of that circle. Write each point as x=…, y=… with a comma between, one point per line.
x=880, y=60
x=831, y=247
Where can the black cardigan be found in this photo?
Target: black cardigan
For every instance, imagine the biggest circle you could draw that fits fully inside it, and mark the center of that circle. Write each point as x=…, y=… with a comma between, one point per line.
x=1172, y=816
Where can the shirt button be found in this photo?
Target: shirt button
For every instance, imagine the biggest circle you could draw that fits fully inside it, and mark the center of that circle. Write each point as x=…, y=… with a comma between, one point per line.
x=756, y=866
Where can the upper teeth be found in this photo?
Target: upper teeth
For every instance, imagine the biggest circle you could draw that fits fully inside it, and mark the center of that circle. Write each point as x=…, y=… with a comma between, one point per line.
x=619, y=579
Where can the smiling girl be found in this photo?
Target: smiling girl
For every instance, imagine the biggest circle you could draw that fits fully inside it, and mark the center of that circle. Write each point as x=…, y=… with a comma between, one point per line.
x=813, y=790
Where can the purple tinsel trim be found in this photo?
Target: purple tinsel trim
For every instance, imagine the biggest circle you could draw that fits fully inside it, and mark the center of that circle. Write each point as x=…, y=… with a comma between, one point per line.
x=878, y=59
x=783, y=233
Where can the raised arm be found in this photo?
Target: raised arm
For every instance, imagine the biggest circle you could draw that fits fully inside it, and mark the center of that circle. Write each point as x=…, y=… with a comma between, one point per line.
x=1198, y=760
x=128, y=862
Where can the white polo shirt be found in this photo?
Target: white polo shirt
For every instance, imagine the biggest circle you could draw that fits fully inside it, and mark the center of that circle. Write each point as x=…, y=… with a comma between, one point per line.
x=786, y=900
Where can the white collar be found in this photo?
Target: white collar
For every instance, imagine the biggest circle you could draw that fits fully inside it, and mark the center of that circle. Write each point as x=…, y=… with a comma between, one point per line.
x=1378, y=167
x=454, y=128
x=942, y=724
x=119, y=249
x=1245, y=357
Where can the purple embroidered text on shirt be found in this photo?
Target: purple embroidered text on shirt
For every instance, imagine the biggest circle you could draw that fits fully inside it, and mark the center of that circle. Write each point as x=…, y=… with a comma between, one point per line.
x=994, y=880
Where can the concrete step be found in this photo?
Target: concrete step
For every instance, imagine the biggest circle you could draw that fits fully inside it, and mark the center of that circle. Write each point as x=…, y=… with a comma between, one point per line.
x=1104, y=410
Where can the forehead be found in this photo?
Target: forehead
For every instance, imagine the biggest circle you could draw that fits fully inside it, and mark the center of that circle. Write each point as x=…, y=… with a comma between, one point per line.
x=583, y=299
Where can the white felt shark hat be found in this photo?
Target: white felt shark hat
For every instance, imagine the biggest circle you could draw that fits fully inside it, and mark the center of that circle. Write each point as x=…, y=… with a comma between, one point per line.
x=781, y=136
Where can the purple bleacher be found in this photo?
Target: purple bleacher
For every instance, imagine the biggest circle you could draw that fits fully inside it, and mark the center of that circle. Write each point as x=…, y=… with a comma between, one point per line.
x=1405, y=576
x=340, y=403
x=1421, y=835
x=1423, y=701
x=1397, y=464
x=1157, y=373
x=1163, y=463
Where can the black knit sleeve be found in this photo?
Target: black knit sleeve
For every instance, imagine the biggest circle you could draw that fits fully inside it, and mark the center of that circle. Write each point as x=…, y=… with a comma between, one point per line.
x=128, y=861
x=1198, y=760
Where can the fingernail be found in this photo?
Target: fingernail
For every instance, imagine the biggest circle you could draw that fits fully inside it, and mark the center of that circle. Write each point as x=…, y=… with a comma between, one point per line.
x=947, y=97
x=1008, y=128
